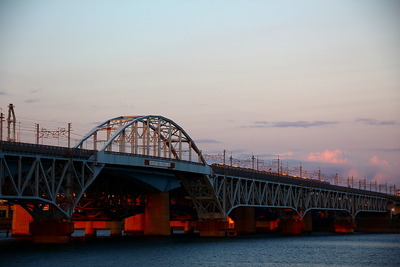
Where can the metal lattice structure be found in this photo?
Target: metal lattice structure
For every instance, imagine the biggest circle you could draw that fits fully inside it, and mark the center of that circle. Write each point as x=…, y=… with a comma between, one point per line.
x=233, y=192
x=149, y=135
x=45, y=185
x=202, y=192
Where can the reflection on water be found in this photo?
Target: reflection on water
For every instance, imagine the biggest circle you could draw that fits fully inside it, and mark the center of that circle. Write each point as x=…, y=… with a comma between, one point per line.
x=260, y=250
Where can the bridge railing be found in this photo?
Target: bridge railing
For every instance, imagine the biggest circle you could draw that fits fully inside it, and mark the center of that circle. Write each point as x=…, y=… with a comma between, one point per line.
x=274, y=168
x=28, y=148
x=45, y=150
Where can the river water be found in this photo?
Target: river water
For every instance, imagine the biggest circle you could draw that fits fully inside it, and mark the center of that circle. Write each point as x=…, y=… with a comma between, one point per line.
x=358, y=249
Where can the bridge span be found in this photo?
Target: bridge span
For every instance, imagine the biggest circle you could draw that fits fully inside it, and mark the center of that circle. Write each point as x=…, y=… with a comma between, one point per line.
x=145, y=174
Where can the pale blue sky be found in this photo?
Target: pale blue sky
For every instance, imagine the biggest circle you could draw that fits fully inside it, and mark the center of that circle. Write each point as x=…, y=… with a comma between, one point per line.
x=309, y=80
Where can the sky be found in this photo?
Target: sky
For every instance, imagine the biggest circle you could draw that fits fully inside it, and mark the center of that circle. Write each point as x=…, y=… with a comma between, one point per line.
x=316, y=83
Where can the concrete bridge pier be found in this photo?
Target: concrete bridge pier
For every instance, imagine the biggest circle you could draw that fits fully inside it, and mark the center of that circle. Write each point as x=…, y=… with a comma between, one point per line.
x=267, y=226
x=245, y=220
x=344, y=226
x=116, y=228
x=212, y=227
x=51, y=231
x=343, y=223
x=90, y=230
x=91, y=227
x=154, y=221
x=374, y=222
x=292, y=224
x=186, y=226
x=307, y=223
x=134, y=225
x=20, y=222
x=156, y=215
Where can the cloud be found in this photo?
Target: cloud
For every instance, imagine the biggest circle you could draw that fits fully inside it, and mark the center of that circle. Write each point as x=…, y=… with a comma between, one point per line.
x=286, y=154
x=207, y=141
x=329, y=156
x=380, y=178
x=287, y=124
x=375, y=160
x=369, y=121
x=31, y=100
x=2, y=93
x=390, y=149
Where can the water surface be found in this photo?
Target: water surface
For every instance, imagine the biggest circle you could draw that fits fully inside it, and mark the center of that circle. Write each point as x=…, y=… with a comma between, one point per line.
x=261, y=250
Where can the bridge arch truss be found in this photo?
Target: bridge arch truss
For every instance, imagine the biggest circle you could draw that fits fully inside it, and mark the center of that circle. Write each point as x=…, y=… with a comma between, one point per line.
x=149, y=135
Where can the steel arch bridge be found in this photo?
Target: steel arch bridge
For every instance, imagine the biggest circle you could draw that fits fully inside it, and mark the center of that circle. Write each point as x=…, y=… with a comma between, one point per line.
x=143, y=135
x=52, y=181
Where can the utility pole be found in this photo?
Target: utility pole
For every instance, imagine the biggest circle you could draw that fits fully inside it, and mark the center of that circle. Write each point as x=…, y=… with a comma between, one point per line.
x=1, y=124
x=69, y=135
x=11, y=120
x=224, y=156
x=278, y=165
x=301, y=171
x=37, y=133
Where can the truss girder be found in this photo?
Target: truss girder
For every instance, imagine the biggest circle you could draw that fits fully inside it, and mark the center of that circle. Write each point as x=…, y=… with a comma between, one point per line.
x=203, y=196
x=45, y=185
x=233, y=192
x=143, y=135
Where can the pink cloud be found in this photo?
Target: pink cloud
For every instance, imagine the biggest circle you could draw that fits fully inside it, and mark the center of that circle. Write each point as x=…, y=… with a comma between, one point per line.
x=380, y=178
x=353, y=172
x=286, y=154
x=375, y=160
x=329, y=156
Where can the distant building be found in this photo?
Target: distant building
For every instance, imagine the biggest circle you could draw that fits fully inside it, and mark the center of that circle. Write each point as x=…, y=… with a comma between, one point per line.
x=398, y=192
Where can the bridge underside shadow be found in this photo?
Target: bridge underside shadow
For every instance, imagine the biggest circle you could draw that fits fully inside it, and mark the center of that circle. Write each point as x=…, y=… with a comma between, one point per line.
x=249, y=220
x=117, y=195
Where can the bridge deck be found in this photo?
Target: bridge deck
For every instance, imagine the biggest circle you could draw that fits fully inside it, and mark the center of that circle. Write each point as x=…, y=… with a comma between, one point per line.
x=44, y=150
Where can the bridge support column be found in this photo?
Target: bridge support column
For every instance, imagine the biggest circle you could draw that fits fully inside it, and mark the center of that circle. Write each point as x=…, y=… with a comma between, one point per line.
x=20, y=222
x=91, y=227
x=245, y=220
x=90, y=231
x=307, y=223
x=291, y=224
x=374, y=222
x=343, y=223
x=212, y=227
x=267, y=226
x=344, y=226
x=186, y=226
x=115, y=228
x=323, y=221
x=156, y=215
x=134, y=225
x=51, y=231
